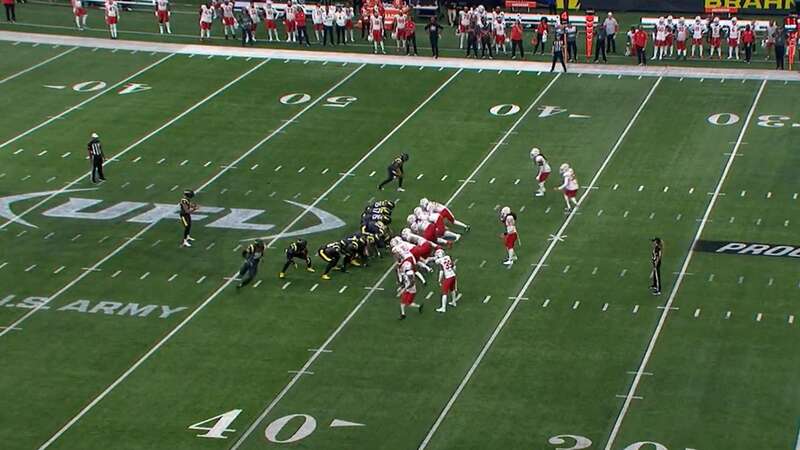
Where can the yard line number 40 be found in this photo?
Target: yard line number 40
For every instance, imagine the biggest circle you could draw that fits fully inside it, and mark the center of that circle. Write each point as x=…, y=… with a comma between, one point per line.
x=278, y=431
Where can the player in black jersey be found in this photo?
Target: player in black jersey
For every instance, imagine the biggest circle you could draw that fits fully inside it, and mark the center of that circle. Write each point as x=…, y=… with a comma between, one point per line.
x=297, y=249
x=395, y=170
x=331, y=253
x=187, y=207
x=655, y=260
x=252, y=258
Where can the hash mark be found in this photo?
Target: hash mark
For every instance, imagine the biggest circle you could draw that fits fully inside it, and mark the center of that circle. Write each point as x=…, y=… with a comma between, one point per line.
x=697, y=312
x=200, y=280
x=791, y=319
x=57, y=271
x=145, y=275
x=116, y=273
x=343, y=289
x=635, y=309
x=30, y=268
x=285, y=285
x=172, y=278
x=605, y=307
x=257, y=284
x=444, y=177
x=728, y=315
x=492, y=181
x=546, y=302
x=487, y=298
x=758, y=317
x=314, y=287
x=576, y=304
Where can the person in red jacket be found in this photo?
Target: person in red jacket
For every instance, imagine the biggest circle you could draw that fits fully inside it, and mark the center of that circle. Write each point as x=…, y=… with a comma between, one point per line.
x=300, y=25
x=640, y=43
x=516, y=41
x=11, y=14
x=747, y=39
x=541, y=35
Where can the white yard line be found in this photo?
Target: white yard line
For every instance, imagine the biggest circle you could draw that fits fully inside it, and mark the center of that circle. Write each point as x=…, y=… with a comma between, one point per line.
x=536, y=270
x=73, y=108
x=208, y=300
x=396, y=60
x=138, y=142
x=383, y=277
x=36, y=66
x=668, y=307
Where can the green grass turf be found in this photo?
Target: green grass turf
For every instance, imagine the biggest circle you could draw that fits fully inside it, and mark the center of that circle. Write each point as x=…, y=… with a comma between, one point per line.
x=141, y=25
x=553, y=370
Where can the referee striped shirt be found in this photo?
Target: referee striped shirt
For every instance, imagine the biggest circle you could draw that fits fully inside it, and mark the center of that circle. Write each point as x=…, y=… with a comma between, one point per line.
x=95, y=149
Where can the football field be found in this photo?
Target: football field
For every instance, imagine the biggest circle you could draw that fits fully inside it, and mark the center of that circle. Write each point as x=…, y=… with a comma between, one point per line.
x=114, y=337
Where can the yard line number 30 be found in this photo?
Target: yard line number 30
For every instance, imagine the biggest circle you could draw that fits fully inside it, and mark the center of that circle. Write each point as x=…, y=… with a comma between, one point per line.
x=577, y=442
x=765, y=120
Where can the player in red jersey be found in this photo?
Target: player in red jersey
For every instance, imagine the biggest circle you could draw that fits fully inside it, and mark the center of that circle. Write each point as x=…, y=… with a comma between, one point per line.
x=80, y=14
x=447, y=279
x=376, y=25
x=438, y=220
x=435, y=207
x=162, y=16
x=569, y=187
x=407, y=290
x=112, y=17
x=509, y=221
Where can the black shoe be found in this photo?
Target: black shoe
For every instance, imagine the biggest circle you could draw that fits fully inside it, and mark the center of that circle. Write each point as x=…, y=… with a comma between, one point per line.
x=420, y=308
x=402, y=317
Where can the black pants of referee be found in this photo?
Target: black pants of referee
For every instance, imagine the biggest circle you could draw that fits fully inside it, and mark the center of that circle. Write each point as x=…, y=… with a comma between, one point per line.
x=97, y=169
x=655, y=278
x=558, y=57
x=248, y=271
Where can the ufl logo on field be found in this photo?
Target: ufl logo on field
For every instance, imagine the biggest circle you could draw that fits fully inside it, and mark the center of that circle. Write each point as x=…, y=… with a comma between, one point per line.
x=148, y=213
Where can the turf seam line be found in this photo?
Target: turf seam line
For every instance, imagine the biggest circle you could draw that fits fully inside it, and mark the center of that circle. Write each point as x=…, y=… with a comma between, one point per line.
x=534, y=273
x=84, y=102
x=36, y=66
x=194, y=312
x=701, y=226
x=383, y=277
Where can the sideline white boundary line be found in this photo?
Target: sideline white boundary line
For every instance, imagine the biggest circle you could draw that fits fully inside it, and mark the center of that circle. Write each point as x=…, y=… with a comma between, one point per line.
x=73, y=108
x=668, y=307
x=229, y=280
x=535, y=272
x=410, y=61
x=151, y=225
x=322, y=348
x=40, y=64
x=139, y=141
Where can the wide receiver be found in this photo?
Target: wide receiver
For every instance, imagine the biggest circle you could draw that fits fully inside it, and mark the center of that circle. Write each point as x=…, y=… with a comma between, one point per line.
x=509, y=221
x=543, y=169
x=569, y=187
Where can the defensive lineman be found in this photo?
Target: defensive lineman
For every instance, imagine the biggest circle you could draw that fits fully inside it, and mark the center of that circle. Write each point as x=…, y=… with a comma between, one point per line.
x=543, y=170
x=297, y=249
x=97, y=158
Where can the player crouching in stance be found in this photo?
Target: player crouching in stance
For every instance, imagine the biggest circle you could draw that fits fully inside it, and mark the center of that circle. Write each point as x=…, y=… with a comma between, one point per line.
x=297, y=249
x=440, y=230
x=407, y=289
x=252, y=257
x=413, y=254
x=543, y=167
x=187, y=207
x=447, y=279
x=509, y=220
x=443, y=211
x=569, y=186
x=332, y=252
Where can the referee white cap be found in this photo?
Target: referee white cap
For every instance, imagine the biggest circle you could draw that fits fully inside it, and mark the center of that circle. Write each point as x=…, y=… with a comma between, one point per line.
x=95, y=136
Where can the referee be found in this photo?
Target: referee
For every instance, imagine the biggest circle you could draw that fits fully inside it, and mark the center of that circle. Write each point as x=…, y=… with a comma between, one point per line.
x=655, y=259
x=96, y=157
x=558, y=52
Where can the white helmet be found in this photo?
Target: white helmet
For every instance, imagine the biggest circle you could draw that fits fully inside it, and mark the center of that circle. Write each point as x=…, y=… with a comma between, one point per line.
x=406, y=233
x=716, y=19
x=697, y=18
x=563, y=168
x=661, y=19
x=669, y=18
x=682, y=20
x=411, y=219
x=423, y=203
x=733, y=20
x=395, y=241
x=438, y=253
x=535, y=152
x=505, y=211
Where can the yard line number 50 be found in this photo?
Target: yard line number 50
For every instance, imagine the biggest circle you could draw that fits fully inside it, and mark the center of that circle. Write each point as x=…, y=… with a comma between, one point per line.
x=338, y=101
